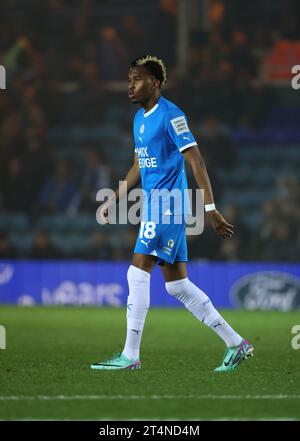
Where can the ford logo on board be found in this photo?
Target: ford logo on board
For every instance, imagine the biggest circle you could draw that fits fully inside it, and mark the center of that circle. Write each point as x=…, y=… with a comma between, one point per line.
x=268, y=290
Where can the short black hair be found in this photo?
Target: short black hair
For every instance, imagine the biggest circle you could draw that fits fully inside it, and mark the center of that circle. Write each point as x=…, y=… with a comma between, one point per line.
x=155, y=66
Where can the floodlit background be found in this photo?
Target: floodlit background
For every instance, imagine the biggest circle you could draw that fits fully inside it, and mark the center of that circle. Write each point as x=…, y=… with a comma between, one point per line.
x=66, y=121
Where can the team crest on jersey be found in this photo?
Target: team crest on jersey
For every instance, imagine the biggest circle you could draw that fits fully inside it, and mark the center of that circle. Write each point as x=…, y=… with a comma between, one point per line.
x=142, y=129
x=180, y=125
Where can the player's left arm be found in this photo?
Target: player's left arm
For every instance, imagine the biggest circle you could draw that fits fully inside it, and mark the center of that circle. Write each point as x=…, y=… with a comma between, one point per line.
x=194, y=158
x=179, y=132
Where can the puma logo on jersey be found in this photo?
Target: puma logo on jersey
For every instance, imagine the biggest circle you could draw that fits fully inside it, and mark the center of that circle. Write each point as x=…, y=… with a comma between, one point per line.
x=146, y=243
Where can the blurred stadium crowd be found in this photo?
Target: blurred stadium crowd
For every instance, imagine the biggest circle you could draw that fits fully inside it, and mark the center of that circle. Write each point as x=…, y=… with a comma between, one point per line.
x=65, y=123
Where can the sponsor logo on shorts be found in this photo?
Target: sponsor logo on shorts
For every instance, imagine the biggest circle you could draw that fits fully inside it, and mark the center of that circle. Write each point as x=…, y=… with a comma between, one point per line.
x=146, y=243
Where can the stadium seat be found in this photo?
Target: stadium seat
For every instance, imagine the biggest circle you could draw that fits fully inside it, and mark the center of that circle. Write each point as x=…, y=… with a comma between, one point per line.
x=16, y=222
x=23, y=243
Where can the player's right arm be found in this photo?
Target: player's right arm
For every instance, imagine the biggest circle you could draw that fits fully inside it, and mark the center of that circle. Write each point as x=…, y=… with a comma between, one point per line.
x=131, y=180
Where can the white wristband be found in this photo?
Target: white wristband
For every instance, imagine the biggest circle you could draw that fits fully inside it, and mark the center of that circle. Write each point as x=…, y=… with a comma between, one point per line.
x=209, y=207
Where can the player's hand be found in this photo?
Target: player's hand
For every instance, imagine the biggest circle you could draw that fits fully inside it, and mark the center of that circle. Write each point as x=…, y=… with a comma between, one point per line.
x=104, y=211
x=104, y=214
x=219, y=224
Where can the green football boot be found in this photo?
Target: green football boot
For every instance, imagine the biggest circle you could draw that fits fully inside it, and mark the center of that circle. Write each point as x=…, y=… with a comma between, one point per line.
x=234, y=356
x=118, y=361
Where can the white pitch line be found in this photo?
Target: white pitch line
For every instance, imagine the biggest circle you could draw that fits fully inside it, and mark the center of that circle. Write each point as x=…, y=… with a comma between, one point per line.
x=146, y=397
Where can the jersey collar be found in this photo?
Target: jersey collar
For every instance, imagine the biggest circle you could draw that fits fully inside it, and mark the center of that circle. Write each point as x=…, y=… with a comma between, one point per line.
x=153, y=109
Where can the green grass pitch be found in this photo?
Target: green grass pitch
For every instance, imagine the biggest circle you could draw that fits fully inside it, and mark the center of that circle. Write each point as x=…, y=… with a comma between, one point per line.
x=44, y=372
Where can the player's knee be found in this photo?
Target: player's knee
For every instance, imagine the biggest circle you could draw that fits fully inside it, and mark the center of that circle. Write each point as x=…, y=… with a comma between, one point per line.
x=136, y=275
x=177, y=287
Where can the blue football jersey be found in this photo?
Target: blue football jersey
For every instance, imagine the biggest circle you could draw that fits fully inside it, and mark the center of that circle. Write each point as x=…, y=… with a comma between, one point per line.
x=160, y=137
